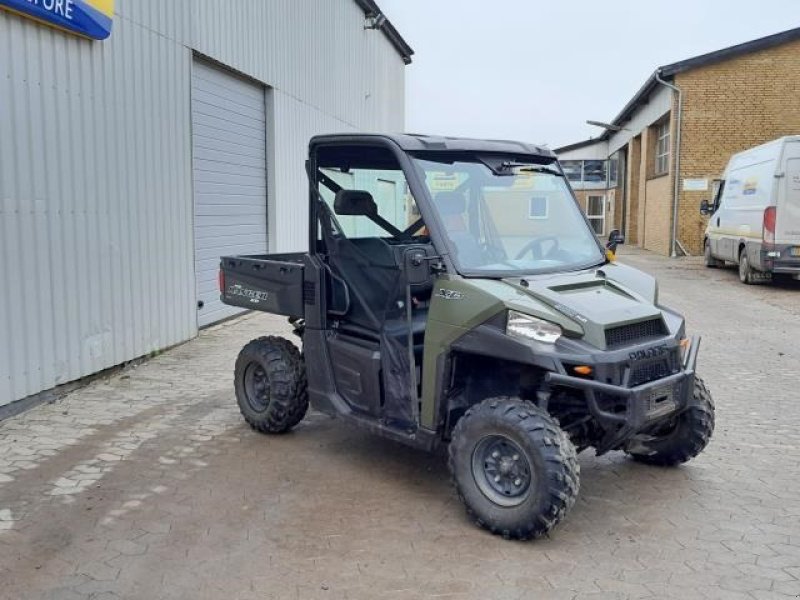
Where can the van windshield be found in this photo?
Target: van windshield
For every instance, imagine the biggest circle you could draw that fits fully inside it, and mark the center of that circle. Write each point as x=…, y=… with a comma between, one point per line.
x=505, y=217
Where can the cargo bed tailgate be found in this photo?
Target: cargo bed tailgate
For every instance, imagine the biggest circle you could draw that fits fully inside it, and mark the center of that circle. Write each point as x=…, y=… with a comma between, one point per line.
x=268, y=282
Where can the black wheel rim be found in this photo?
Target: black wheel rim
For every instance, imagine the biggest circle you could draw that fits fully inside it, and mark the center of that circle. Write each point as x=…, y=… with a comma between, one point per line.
x=256, y=387
x=501, y=470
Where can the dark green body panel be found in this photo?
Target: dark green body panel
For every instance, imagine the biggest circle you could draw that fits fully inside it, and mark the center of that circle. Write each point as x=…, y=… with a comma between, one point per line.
x=582, y=303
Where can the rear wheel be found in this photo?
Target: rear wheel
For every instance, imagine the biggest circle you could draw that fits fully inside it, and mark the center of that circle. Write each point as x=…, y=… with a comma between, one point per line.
x=683, y=438
x=747, y=274
x=513, y=467
x=270, y=383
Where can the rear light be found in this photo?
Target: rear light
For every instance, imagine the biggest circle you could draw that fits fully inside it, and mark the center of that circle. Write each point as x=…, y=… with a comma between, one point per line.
x=769, y=225
x=221, y=281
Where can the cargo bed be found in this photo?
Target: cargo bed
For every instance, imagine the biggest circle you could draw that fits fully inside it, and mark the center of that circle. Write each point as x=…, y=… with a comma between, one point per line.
x=268, y=282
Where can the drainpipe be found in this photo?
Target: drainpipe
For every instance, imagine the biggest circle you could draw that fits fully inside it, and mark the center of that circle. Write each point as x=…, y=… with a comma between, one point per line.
x=674, y=243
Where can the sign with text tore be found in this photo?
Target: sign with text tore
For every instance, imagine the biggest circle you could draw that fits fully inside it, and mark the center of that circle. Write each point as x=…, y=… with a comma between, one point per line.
x=88, y=18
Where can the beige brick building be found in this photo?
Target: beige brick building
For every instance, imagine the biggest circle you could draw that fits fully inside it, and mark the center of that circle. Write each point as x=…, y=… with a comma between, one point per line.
x=664, y=151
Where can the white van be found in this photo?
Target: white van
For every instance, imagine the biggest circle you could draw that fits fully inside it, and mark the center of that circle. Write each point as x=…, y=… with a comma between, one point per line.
x=755, y=214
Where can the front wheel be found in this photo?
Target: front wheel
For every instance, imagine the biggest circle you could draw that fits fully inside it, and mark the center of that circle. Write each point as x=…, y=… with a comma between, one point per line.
x=708, y=258
x=513, y=467
x=682, y=438
x=270, y=383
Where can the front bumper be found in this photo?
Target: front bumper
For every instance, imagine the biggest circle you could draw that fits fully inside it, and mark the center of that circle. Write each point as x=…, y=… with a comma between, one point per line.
x=644, y=404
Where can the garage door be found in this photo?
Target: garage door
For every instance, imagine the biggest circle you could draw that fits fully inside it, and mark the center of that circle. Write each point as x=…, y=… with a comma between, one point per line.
x=230, y=179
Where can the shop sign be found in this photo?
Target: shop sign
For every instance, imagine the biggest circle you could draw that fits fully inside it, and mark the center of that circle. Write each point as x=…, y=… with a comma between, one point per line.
x=695, y=185
x=88, y=18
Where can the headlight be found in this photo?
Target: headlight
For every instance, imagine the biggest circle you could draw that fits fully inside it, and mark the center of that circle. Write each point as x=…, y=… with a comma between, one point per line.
x=526, y=326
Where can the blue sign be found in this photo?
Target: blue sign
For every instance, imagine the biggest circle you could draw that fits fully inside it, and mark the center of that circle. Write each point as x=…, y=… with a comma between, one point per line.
x=89, y=18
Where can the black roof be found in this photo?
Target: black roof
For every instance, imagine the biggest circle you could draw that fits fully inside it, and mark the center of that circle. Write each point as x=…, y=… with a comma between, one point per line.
x=412, y=142
x=770, y=41
x=667, y=72
x=372, y=10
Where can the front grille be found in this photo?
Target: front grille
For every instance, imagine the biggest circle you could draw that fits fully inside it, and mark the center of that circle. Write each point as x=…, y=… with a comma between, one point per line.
x=653, y=369
x=649, y=372
x=635, y=332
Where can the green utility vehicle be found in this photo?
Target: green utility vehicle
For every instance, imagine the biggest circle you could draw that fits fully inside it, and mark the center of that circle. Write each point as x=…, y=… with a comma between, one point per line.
x=454, y=293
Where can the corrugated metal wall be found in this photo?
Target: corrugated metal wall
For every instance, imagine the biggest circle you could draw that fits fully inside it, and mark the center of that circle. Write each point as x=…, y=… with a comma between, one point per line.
x=96, y=252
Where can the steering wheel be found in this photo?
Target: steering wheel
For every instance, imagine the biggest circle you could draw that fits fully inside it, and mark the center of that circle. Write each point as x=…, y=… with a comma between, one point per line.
x=536, y=244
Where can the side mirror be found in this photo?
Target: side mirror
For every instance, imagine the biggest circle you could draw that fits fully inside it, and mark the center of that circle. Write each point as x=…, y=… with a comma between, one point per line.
x=417, y=266
x=614, y=239
x=705, y=208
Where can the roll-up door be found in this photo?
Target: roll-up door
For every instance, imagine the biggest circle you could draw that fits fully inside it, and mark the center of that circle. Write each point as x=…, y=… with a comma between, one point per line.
x=230, y=178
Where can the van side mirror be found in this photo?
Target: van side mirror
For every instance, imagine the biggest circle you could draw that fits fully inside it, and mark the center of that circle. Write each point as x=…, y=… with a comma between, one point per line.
x=705, y=208
x=615, y=238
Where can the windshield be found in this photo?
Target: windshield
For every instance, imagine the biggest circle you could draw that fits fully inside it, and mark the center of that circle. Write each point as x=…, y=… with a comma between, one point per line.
x=508, y=217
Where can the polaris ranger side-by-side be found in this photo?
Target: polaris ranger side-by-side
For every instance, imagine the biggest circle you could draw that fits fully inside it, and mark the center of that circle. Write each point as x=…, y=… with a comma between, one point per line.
x=454, y=293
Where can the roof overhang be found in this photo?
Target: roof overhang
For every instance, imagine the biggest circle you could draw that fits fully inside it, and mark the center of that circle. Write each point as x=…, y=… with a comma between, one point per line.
x=579, y=145
x=668, y=72
x=372, y=10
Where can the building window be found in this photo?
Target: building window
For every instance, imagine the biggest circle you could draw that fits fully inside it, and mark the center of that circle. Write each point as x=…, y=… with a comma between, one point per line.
x=594, y=171
x=586, y=171
x=537, y=208
x=596, y=213
x=613, y=169
x=662, y=147
x=572, y=169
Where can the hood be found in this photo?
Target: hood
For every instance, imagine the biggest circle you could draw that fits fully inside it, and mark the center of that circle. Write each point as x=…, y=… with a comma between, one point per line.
x=595, y=300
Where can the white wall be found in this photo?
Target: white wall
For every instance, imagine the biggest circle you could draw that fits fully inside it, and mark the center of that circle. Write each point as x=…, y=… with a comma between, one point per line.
x=657, y=106
x=595, y=151
x=96, y=245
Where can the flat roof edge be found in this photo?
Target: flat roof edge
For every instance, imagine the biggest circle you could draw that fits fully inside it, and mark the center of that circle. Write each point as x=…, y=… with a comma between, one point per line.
x=581, y=144
x=371, y=9
x=667, y=72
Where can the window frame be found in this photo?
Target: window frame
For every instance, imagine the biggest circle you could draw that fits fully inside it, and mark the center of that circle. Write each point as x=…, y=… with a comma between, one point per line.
x=350, y=225
x=662, y=148
x=612, y=170
x=597, y=217
x=579, y=163
x=603, y=170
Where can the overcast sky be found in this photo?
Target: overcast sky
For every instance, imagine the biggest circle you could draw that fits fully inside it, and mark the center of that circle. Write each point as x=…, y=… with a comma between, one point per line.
x=536, y=71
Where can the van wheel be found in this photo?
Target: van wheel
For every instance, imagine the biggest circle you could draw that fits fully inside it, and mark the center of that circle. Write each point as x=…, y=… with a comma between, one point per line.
x=710, y=261
x=513, y=467
x=270, y=384
x=746, y=272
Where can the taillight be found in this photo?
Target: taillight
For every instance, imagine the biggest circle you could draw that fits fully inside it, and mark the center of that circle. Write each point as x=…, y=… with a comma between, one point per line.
x=769, y=225
x=221, y=281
